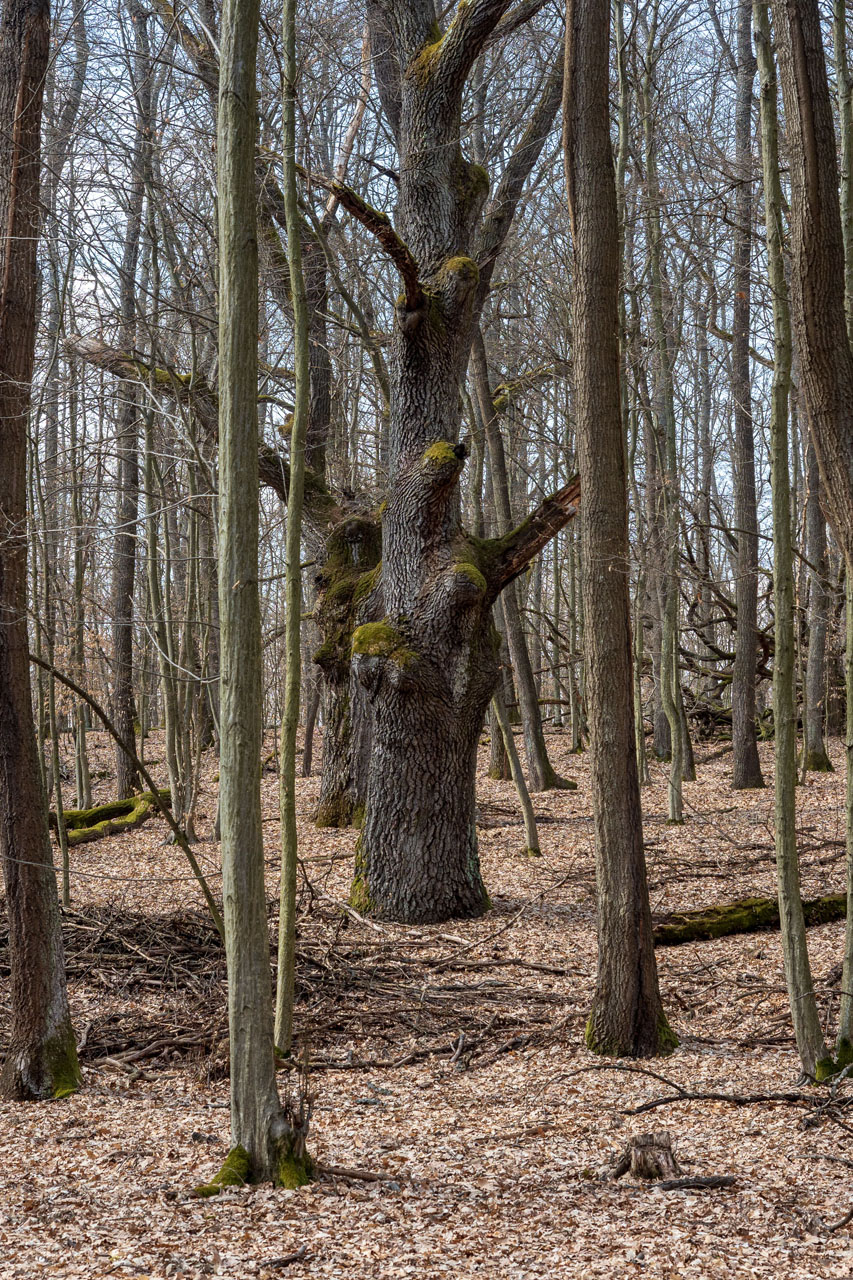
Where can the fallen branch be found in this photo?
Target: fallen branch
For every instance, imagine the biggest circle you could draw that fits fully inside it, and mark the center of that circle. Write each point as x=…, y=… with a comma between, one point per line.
x=299, y=1255
x=745, y=916
x=180, y=835
x=698, y=1184
x=113, y=818
x=736, y=1099
x=357, y=1175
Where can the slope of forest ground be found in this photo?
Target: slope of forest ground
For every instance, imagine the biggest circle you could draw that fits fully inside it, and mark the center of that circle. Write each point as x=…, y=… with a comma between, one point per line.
x=447, y=1066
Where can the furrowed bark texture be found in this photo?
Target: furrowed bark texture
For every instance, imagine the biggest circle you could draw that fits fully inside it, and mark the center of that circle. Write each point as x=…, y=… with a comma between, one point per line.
x=815, y=757
x=627, y=1017
x=431, y=666
x=42, y=1058
x=817, y=257
x=347, y=593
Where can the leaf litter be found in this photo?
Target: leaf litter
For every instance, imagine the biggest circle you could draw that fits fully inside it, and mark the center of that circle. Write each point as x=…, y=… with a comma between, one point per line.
x=464, y=1128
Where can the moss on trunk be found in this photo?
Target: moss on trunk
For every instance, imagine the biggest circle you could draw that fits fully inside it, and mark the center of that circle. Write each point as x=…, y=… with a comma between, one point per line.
x=234, y=1173
x=293, y=1168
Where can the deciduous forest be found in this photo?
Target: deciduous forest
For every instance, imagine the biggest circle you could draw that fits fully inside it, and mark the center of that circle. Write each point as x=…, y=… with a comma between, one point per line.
x=426, y=639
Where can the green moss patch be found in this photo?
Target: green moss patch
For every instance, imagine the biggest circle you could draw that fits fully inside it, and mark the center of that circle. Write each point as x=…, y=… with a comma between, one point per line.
x=61, y=1059
x=462, y=267
x=470, y=571
x=234, y=1173
x=84, y=825
x=351, y=572
x=442, y=454
x=423, y=65
x=745, y=916
x=382, y=640
x=294, y=1170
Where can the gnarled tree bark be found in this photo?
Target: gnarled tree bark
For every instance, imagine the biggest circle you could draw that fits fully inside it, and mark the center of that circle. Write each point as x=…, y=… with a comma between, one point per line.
x=431, y=665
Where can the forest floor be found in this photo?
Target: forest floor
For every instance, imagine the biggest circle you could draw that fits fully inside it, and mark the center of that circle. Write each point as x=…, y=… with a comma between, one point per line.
x=448, y=1066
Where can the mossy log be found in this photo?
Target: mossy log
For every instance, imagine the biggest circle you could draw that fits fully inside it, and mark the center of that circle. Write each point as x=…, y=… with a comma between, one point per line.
x=83, y=825
x=746, y=916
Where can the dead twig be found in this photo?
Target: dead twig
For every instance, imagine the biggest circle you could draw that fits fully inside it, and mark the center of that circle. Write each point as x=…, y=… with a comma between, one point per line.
x=697, y=1184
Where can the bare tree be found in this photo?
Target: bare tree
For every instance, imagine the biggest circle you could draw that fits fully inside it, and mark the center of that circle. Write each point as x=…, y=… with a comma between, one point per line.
x=627, y=1017
x=42, y=1057
x=265, y=1144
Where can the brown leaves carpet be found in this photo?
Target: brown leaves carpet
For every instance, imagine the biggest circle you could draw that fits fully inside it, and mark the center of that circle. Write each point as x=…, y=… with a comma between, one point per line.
x=447, y=1066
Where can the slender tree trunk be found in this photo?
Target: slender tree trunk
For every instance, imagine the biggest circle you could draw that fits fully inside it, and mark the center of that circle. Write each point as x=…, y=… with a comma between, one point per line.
x=845, y=117
x=813, y=1055
x=265, y=1145
x=845, y=1017
x=627, y=1017
x=127, y=435
x=817, y=258
x=815, y=758
x=747, y=767
x=293, y=544
x=844, y=81
x=42, y=1059
x=81, y=758
x=541, y=772
x=670, y=489
x=531, y=834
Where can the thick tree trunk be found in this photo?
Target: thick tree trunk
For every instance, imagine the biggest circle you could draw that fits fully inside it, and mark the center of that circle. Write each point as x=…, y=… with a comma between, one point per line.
x=821, y=268
x=42, y=1058
x=422, y=777
x=627, y=1017
x=431, y=666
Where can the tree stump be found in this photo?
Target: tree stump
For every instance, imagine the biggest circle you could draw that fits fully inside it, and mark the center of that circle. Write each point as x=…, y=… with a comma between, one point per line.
x=649, y=1156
